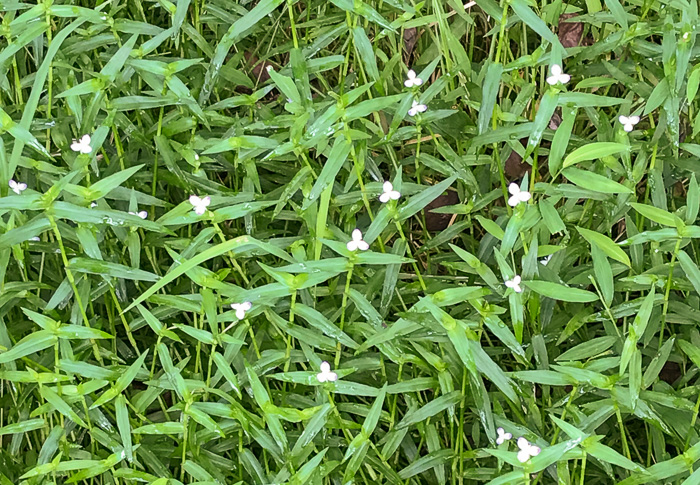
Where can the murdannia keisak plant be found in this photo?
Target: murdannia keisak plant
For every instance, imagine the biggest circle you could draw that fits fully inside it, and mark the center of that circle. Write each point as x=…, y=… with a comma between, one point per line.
x=333, y=242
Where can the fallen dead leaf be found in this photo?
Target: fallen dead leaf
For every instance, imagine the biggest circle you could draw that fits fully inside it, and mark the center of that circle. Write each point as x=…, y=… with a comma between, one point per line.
x=438, y=222
x=570, y=33
x=410, y=37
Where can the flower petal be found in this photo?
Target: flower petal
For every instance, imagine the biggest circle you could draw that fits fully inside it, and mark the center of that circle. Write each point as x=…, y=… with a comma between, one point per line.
x=523, y=456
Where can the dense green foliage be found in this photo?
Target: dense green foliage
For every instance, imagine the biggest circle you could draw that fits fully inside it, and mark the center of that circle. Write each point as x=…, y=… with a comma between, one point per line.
x=147, y=337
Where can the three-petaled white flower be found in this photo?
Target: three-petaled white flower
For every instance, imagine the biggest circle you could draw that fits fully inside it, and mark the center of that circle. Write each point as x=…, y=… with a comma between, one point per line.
x=502, y=436
x=628, y=122
x=142, y=214
x=526, y=450
x=417, y=108
x=357, y=242
x=515, y=284
x=557, y=76
x=517, y=195
x=412, y=80
x=241, y=309
x=93, y=205
x=200, y=204
x=83, y=145
x=326, y=375
x=389, y=193
x=17, y=187
x=544, y=261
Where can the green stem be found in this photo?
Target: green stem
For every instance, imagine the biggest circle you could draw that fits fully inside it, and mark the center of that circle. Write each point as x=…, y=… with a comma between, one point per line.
x=71, y=280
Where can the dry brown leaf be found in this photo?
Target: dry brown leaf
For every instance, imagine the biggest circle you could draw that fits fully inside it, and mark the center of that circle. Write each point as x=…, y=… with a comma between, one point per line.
x=514, y=167
x=435, y=221
x=570, y=33
x=410, y=37
x=259, y=68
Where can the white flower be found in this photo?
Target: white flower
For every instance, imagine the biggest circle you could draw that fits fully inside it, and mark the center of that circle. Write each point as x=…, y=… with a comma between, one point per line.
x=35, y=239
x=557, y=75
x=142, y=214
x=545, y=260
x=17, y=187
x=517, y=195
x=326, y=375
x=412, y=80
x=196, y=156
x=502, y=436
x=241, y=308
x=389, y=193
x=200, y=204
x=629, y=122
x=417, y=108
x=515, y=284
x=82, y=146
x=93, y=205
x=357, y=242
x=526, y=450
x=686, y=36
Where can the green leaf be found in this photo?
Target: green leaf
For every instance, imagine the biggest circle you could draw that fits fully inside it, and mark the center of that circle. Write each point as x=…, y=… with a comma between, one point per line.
x=588, y=349
x=241, y=28
x=423, y=198
x=339, y=153
x=655, y=214
x=22, y=426
x=61, y=406
x=593, y=181
x=28, y=345
x=489, y=92
x=606, y=244
x=560, y=292
x=594, y=151
x=430, y=409
x=691, y=269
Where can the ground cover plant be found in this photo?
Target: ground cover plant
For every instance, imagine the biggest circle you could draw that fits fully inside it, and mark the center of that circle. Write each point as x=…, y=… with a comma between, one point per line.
x=368, y=241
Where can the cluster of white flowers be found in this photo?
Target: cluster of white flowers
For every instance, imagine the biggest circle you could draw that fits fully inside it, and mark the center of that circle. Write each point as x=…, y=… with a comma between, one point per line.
x=526, y=449
x=414, y=81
